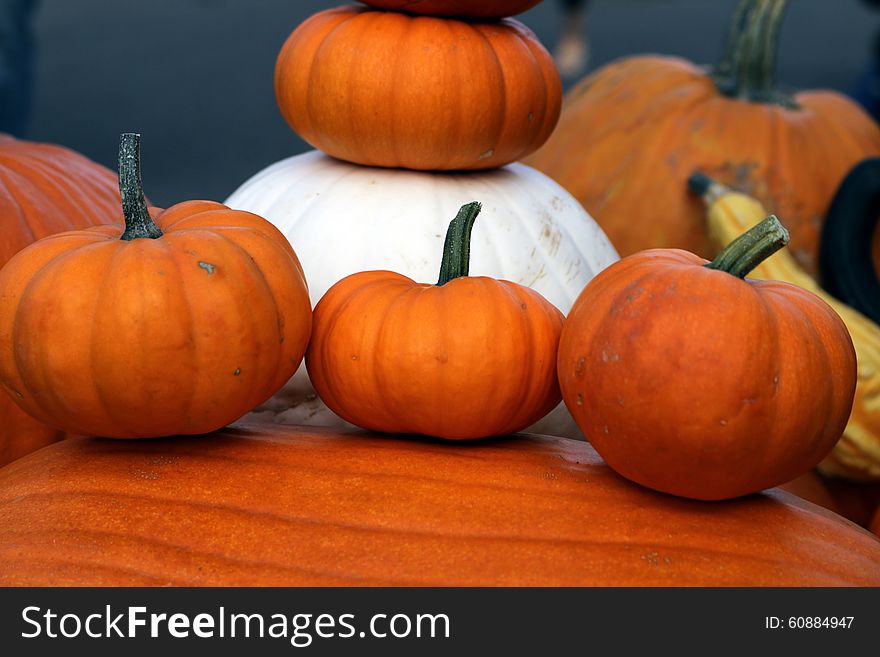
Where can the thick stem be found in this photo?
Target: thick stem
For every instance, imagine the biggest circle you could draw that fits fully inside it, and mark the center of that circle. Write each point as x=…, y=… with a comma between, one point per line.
x=748, y=66
x=457, y=247
x=737, y=23
x=138, y=222
x=751, y=248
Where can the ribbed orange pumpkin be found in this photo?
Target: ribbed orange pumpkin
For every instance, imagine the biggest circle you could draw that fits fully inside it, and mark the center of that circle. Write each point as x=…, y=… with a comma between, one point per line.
x=258, y=505
x=462, y=8
x=637, y=128
x=44, y=189
x=697, y=382
x=469, y=357
x=393, y=90
x=177, y=326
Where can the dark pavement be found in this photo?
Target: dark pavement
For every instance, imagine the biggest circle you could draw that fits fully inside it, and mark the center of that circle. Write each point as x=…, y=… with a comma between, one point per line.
x=195, y=76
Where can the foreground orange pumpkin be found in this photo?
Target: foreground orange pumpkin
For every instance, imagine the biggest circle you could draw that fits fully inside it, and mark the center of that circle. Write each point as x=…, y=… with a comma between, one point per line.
x=44, y=189
x=393, y=90
x=692, y=380
x=258, y=505
x=463, y=8
x=177, y=326
x=637, y=128
x=468, y=357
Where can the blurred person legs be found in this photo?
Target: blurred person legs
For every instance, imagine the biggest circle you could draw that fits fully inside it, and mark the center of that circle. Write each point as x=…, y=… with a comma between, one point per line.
x=16, y=64
x=572, y=52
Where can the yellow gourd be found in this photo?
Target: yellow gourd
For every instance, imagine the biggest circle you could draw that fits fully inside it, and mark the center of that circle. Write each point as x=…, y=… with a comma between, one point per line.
x=857, y=454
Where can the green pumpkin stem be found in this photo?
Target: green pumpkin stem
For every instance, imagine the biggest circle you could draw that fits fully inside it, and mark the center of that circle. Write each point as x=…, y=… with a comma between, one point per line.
x=457, y=247
x=751, y=248
x=747, y=69
x=138, y=222
x=725, y=66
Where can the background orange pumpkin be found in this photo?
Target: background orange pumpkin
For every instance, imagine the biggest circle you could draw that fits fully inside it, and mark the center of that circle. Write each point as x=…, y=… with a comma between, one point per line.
x=690, y=380
x=463, y=8
x=635, y=130
x=177, y=326
x=264, y=504
x=393, y=90
x=45, y=189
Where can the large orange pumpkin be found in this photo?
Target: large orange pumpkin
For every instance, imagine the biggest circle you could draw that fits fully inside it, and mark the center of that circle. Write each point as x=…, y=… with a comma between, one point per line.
x=272, y=505
x=637, y=128
x=462, y=8
x=181, y=323
x=469, y=357
x=393, y=90
x=692, y=380
x=44, y=189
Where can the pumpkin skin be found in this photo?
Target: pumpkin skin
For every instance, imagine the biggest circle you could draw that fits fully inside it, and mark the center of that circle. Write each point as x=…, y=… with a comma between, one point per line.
x=698, y=383
x=638, y=127
x=471, y=357
x=532, y=232
x=459, y=8
x=419, y=92
x=44, y=189
x=144, y=337
x=327, y=508
x=856, y=456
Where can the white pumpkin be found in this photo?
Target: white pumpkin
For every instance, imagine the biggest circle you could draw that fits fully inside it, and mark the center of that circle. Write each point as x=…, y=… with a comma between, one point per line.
x=342, y=218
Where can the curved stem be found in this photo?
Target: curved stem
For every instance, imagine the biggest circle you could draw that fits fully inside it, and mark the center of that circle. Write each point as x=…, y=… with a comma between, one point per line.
x=138, y=222
x=765, y=75
x=457, y=247
x=751, y=248
x=748, y=65
x=737, y=23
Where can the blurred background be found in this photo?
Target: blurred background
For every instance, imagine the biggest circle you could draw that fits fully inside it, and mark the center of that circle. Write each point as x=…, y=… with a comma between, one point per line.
x=195, y=77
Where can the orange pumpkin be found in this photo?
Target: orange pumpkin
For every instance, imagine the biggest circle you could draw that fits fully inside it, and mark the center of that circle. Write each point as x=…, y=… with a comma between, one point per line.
x=692, y=380
x=462, y=8
x=44, y=189
x=469, y=357
x=393, y=90
x=263, y=504
x=177, y=326
x=637, y=128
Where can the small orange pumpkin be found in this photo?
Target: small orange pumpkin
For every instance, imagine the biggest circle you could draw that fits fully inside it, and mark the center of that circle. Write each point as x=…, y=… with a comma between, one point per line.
x=692, y=380
x=393, y=90
x=637, y=128
x=469, y=357
x=44, y=189
x=460, y=8
x=181, y=323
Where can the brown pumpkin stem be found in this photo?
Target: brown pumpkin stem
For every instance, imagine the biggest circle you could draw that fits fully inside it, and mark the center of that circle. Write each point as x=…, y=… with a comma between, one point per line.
x=747, y=69
x=138, y=222
x=751, y=248
x=457, y=247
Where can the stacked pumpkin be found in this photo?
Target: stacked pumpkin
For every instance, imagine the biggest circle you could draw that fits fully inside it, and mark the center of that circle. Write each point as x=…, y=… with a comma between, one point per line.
x=421, y=113
x=181, y=320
